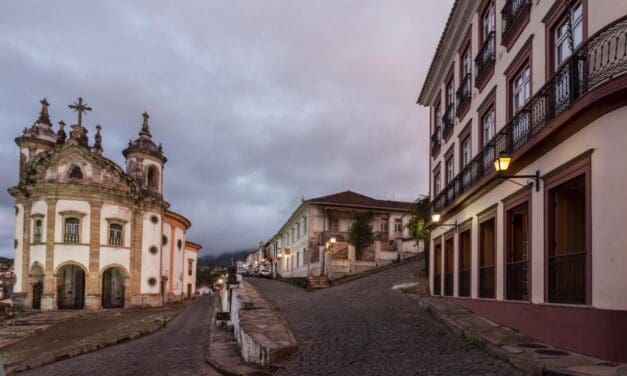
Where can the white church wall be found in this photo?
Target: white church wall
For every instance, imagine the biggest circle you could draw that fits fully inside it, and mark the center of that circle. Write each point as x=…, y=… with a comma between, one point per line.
x=111, y=256
x=165, y=253
x=18, y=236
x=115, y=212
x=71, y=253
x=189, y=279
x=177, y=286
x=39, y=207
x=37, y=254
x=150, y=262
x=77, y=206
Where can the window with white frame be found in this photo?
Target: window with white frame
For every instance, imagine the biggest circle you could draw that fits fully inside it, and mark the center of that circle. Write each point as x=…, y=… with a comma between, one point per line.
x=521, y=89
x=384, y=224
x=488, y=126
x=466, y=151
x=37, y=231
x=72, y=230
x=568, y=34
x=398, y=225
x=115, y=234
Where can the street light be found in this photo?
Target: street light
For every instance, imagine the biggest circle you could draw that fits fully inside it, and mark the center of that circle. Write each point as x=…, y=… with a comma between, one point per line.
x=501, y=164
x=435, y=218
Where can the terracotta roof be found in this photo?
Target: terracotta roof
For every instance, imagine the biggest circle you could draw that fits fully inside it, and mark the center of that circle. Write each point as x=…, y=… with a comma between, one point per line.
x=350, y=198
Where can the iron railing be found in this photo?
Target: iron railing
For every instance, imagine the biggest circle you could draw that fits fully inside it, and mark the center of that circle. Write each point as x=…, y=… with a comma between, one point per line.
x=486, y=282
x=485, y=56
x=464, y=283
x=340, y=236
x=517, y=283
x=567, y=278
x=464, y=91
x=510, y=13
x=448, y=119
x=599, y=59
x=381, y=235
x=448, y=284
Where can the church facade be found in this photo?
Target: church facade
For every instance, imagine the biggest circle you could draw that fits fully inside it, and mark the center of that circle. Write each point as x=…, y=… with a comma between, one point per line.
x=90, y=234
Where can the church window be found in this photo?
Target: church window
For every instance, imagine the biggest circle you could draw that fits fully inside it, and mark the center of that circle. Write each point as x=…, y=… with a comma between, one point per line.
x=37, y=231
x=115, y=234
x=179, y=244
x=152, y=281
x=72, y=228
x=164, y=240
x=15, y=243
x=190, y=265
x=154, y=219
x=153, y=250
x=152, y=178
x=76, y=173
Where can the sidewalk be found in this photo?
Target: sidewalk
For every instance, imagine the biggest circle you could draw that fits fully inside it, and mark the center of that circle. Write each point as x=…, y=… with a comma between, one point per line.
x=523, y=352
x=47, y=337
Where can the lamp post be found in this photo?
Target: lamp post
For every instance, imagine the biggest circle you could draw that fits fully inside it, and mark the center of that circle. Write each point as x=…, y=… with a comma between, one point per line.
x=328, y=246
x=501, y=164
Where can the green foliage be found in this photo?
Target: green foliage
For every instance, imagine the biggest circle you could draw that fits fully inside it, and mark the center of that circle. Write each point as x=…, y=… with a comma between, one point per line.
x=360, y=234
x=417, y=225
x=207, y=277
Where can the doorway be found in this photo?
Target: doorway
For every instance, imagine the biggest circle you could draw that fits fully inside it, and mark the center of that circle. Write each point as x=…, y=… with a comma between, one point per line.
x=71, y=287
x=112, y=288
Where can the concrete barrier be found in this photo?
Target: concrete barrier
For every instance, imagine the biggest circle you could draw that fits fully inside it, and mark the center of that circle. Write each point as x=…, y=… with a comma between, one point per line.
x=263, y=336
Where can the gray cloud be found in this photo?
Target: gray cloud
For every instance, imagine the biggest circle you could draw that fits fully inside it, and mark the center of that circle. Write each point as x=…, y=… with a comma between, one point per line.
x=257, y=103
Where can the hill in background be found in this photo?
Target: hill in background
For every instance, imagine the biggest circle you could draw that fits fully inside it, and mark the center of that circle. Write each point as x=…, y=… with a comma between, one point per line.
x=224, y=259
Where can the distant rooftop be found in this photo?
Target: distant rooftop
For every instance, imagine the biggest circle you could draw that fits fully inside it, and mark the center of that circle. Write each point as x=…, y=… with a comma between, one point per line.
x=350, y=198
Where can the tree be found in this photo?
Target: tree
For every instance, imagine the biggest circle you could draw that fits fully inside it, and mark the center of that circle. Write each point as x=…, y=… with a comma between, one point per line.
x=417, y=225
x=360, y=234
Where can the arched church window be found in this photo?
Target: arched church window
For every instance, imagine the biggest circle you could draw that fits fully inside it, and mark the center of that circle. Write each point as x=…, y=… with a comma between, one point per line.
x=72, y=229
x=152, y=177
x=115, y=234
x=179, y=244
x=164, y=240
x=37, y=231
x=76, y=173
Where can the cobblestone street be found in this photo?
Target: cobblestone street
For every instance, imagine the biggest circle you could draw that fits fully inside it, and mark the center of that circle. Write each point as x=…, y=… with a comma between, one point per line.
x=366, y=328
x=177, y=349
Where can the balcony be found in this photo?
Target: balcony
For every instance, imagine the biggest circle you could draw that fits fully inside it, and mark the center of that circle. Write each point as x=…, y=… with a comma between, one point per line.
x=449, y=121
x=600, y=58
x=567, y=278
x=484, y=62
x=340, y=236
x=437, y=284
x=436, y=140
x=514, y=15
x=448, y=284
x=486, y=282
x=381, y=235
x=464, y=283
x=463, y=96
x=517, y=284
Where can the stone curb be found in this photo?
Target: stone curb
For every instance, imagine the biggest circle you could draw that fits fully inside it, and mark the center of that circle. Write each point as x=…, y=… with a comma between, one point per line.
x=72, y=353
x=343, y=280
x=520, y=359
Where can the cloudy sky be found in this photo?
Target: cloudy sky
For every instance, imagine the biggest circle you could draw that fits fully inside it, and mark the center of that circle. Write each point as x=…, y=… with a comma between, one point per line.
x=257, y=103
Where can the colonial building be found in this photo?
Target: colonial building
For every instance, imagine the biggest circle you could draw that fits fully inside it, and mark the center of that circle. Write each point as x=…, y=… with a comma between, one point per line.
x=527, y=128
x=89, y=233
x=314, y=240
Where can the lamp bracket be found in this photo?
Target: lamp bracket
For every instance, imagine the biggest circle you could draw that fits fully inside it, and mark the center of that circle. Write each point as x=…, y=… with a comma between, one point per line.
x=535, y=177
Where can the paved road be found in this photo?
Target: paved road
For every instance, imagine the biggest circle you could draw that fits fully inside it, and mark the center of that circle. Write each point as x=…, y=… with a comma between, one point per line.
x=365, y=328
x=178, y=349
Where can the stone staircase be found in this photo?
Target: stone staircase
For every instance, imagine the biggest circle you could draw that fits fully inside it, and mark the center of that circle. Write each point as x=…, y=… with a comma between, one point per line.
x=318, y=282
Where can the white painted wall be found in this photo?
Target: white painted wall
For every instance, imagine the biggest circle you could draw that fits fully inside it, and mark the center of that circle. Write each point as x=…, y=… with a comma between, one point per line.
x=117, y=212
x=165, y=253
x=18, y=235
x=77, y=206
x=110, y=256
x=37, y=254
x=178, y=266
x=71, y=252
x=150, y=263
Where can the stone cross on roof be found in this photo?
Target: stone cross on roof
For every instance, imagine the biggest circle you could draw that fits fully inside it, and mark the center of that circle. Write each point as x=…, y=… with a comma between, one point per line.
x=80, y=107
x=44, y=117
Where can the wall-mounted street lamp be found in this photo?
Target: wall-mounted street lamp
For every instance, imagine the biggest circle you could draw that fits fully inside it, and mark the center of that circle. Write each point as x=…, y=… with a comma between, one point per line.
x=435, y=218
x=501, y=164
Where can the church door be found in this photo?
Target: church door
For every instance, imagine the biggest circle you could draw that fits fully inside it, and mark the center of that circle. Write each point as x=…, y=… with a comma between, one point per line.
x=189, y=291
x=38, y=289
x=71, y=287
x=112, y=289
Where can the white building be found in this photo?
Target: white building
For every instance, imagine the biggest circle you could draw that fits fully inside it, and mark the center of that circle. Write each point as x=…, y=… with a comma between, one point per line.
x=88, y=233
x=540, y=84
x=299, y=247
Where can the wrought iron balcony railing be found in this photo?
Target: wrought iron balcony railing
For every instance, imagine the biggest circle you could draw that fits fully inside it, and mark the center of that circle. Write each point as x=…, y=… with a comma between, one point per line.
x=485, y=56
x=510, y=14
x=464, y=283
x=448, y=284
x=464, y=92
x=448, y=120
x=600, y=58
x=517, y=284
x=567, y=278
x=486, y=282
x=437, y=284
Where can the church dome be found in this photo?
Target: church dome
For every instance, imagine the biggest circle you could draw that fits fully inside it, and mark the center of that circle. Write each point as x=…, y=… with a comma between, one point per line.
x=144, y=143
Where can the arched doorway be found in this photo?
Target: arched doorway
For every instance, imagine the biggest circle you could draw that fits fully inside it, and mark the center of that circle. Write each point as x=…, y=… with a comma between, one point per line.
x=37, y=283
x=70, y=287
x=112, y=288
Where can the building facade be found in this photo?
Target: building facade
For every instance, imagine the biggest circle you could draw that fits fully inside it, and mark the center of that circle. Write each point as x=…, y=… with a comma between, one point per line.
x=301, y=249
x=538, y=246
x=88, y=233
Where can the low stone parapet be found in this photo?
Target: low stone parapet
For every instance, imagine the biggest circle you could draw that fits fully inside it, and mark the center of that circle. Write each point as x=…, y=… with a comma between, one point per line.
x=263, y=336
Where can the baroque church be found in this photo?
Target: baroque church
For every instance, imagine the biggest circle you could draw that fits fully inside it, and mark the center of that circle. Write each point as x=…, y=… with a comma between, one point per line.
x=90, y=234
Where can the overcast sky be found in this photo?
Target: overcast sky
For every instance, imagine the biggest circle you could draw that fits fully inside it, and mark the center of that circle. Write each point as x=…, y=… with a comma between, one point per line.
x=257, y=103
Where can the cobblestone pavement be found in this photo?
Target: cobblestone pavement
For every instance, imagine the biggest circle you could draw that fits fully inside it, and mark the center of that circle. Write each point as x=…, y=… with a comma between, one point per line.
x=178, y=349
x=366, y=328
